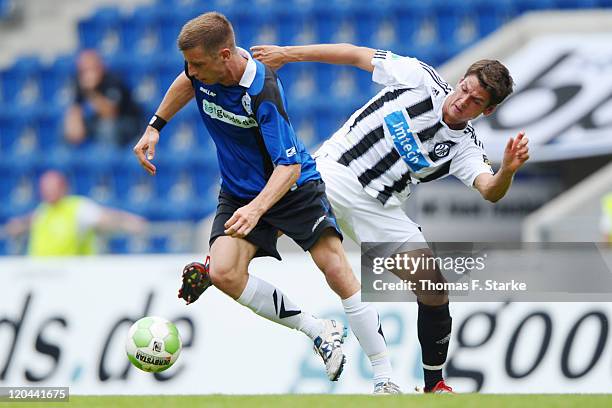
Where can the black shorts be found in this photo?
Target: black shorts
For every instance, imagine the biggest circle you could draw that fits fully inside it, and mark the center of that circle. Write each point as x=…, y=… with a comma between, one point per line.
x=302, y=214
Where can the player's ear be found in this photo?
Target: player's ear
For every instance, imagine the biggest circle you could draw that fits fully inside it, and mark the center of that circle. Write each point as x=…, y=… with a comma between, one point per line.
x=225, y=54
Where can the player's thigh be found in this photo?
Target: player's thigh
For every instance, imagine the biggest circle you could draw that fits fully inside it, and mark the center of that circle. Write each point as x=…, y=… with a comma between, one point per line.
x=231, y=256
x=342, y=188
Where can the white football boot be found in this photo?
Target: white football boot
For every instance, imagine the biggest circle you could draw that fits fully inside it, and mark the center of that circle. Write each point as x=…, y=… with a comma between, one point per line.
x=386, y=388
x=329, y=346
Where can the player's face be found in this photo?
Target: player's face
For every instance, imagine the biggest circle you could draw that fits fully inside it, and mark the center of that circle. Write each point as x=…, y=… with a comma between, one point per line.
x=467, y=101
x=203, y=66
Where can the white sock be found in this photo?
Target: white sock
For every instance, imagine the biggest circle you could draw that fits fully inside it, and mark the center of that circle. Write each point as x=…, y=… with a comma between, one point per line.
x=269, y=302
x=365, y=323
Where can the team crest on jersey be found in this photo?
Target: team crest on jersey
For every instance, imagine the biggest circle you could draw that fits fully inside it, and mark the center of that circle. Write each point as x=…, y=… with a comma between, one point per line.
x=442, y=149
x=246, y=104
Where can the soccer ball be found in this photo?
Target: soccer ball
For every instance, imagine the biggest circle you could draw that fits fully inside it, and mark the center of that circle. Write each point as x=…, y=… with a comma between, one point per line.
x=153, y=344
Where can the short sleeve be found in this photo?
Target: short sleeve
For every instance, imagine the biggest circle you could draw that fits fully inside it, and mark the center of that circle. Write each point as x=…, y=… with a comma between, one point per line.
x=470, y=162
x=278, y=135
x=394, y=70
x=270, y=109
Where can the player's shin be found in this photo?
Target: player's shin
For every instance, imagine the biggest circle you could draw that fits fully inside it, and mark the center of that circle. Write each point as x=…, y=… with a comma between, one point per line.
x=434, y=331
x=271, y=303
x=365, y=323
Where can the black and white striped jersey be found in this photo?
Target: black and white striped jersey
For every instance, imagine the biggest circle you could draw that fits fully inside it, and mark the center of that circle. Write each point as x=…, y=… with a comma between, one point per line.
x=398, y=137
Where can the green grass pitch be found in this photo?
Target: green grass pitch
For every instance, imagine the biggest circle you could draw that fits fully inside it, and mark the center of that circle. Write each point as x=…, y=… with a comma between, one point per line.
x=315, y=401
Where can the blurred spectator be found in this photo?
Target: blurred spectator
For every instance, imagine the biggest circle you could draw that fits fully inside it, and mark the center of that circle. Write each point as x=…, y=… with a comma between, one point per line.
x=66, y=225
x=606, y=218
x=103, y=111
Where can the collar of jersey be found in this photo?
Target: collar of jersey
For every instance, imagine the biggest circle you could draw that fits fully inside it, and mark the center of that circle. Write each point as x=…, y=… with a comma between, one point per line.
x=249, y=72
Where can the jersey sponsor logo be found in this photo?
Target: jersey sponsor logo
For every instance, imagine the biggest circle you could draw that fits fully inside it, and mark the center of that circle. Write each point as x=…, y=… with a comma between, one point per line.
x=290, y=152
x=405, y=142
x=217, y=112
x=207, y=91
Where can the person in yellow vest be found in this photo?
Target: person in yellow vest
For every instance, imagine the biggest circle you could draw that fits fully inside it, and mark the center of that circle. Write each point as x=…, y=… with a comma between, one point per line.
x=606, y=218
x=67, y=225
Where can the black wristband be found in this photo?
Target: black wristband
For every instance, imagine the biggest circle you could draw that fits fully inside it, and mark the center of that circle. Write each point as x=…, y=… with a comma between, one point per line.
x=157, y=122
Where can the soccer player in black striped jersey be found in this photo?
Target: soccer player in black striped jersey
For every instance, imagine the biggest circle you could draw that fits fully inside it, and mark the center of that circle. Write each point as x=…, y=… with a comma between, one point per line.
x=417, y=129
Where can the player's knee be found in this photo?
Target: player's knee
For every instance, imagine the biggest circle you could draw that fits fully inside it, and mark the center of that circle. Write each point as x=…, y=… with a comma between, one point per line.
x=336, y=269
x=223, y=276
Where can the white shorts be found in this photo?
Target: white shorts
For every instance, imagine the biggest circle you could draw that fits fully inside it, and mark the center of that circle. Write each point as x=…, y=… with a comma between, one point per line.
x=361, y=216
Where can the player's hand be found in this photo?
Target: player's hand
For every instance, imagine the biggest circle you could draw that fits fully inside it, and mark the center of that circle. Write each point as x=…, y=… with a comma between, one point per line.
x=242, y=222
x=145, y=149
x=516, y=152
x=271, y=55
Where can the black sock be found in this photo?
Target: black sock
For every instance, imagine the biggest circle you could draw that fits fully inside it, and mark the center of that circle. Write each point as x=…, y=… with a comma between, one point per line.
x=431, y=378
x=434, y=329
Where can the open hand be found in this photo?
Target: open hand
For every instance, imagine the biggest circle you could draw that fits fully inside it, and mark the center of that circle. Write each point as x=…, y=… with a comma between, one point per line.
x=516, y=152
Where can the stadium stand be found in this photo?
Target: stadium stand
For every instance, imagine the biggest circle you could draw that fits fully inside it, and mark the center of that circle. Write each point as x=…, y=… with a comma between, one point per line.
x=34, y=93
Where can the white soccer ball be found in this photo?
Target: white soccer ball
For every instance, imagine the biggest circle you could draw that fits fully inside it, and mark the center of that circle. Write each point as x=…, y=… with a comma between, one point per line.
x=153, y=344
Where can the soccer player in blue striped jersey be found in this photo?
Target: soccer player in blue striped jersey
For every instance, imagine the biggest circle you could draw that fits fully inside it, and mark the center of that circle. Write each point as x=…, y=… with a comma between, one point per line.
x=269, y=184
x=415, y=130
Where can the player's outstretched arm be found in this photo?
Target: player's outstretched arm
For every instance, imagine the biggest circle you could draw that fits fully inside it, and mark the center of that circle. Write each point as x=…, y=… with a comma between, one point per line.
x=494, y=187
x=177, y=96
x=343, y=54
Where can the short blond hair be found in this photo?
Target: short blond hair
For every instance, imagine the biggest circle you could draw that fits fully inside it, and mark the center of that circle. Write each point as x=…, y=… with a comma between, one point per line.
x=212, y=31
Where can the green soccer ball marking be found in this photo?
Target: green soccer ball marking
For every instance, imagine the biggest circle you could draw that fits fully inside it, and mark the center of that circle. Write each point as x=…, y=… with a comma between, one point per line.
x=153, y=344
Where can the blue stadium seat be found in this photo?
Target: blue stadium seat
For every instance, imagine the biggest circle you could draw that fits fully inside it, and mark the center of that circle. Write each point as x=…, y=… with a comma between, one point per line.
x=58, y=80
x=118, y=245
x=158, y=244
x=92, y=172
x=19, y=130
x=455, y=25
x=144, y=78
x=410, y=18
x=21, y=83
x=20, y=187
x=332, y=22
x=101, y=30
x=292, y=25
x=492, y=15
x=140, y=31
x=370, y=19
x=50, y=128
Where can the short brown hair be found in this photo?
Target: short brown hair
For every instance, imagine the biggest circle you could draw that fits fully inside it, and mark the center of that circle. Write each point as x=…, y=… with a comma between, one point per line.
x=494, y=77
x=211, y=31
